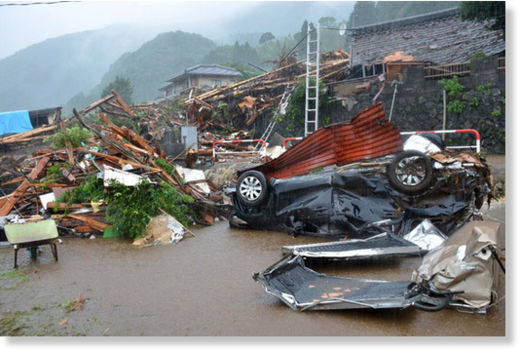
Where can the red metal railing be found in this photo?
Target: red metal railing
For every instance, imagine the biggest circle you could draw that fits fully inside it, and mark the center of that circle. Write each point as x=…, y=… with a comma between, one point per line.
x=457, y=131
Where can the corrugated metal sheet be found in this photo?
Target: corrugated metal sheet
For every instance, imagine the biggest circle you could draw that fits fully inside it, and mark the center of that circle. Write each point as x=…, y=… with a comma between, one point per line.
x=369, y=135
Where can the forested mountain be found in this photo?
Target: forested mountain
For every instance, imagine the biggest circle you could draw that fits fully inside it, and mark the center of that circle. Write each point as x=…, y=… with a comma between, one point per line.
x=48, y=73
x=370, y=12
x=153, y=63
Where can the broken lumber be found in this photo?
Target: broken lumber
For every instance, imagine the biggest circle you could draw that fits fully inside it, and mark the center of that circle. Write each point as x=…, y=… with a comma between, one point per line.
x=23, y=135
x=11, y=200
x=97, y=225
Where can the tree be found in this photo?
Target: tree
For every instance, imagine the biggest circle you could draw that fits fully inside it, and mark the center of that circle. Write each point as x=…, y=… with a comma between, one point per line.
x=266, y=37
x=298, y=36
x=485, y=10
x=123, y=86
x=363, y=13
x=327, y=21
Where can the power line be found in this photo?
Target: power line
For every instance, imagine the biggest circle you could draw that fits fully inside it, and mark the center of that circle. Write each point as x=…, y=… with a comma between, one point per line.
x=305, y=36
x=290, y=51
x=38, y=3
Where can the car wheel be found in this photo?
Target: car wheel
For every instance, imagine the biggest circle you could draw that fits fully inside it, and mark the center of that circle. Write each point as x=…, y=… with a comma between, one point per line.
x=410, y=172
x=251, y=187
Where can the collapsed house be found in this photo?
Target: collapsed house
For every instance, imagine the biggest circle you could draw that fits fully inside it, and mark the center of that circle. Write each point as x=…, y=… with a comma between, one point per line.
x=245, y=101
x=32, y=186
x=27, y=126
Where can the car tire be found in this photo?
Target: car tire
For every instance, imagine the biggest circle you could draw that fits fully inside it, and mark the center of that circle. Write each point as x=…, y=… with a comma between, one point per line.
x=251, y=188
x=410, y=172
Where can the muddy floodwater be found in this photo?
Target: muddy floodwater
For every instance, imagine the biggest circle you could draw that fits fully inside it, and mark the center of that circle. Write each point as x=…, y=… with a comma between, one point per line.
x=203, y=286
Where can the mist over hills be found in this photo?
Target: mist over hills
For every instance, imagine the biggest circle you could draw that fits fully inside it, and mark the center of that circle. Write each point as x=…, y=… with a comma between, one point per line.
x=77, y=65
x=72, y=70
x=50, y=72
x=149, y=66
x=282, y=18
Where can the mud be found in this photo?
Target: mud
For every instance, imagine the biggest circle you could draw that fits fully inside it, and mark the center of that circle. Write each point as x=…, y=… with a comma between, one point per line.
x=203, y=286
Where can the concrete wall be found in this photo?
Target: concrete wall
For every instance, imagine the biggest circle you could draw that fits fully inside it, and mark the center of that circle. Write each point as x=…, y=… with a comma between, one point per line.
x=419, y=104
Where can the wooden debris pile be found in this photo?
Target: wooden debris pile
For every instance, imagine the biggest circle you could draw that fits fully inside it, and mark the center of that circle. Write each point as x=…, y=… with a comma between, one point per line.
x=30, y=189
x=238, y=105
x=30, y=136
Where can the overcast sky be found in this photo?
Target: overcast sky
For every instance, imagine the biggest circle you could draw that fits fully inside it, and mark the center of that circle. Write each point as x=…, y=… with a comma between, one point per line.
x=21, y=26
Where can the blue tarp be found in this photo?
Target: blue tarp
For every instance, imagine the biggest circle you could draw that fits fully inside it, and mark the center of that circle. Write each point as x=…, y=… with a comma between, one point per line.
x=15, y=122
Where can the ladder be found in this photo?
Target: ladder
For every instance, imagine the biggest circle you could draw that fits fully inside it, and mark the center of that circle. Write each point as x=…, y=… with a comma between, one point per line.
x=312, y=71
x=284, y=101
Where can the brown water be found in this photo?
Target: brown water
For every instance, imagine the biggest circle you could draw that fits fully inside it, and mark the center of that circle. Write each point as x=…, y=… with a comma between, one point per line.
x=203, y=286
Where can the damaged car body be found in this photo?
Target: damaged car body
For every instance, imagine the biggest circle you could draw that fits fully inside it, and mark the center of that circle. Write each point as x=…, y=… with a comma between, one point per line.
x=458, y=273
x=344, y=178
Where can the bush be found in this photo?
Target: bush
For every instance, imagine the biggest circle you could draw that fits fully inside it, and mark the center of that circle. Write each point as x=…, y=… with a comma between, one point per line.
x=130, y=209
x=295, y=112
x=91, y=189
x=75, y=135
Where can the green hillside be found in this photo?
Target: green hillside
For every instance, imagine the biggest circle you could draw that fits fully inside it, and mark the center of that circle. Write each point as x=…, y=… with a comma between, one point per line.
x=158, y=60
x=49, y=73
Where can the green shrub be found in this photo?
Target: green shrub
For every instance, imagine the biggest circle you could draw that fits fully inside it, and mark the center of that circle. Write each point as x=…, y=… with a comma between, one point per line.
x=496, y=113
x=453, y=87
x=75, y=135
x=454, y=90
x=295, y=112
x=478, y=55
x=130, y=209
x=91, y=189
x=53, y=173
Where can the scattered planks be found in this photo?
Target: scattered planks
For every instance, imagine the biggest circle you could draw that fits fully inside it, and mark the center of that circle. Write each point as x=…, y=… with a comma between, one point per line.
x=9, y=202
x=28, y=135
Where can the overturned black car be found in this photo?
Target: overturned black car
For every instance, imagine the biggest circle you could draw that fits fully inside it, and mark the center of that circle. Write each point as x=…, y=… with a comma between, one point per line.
x=348, y=179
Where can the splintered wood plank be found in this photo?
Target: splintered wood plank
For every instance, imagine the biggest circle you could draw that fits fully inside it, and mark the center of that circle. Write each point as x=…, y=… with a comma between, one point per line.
x=13, y=198
x=97, y=225
x=96, y=104
x=122, y=103
x=23, y=135
x=112, y=126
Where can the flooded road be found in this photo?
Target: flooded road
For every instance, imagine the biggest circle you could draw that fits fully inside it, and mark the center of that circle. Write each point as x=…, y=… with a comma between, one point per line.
x=203, y=286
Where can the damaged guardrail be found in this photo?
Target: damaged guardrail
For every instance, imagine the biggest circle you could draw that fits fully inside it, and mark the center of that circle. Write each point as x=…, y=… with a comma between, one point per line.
x=457, y=131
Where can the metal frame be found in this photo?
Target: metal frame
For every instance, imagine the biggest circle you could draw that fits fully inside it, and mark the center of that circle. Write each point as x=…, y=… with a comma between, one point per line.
x=262, y=151
x=31, y=244
x=457, y=131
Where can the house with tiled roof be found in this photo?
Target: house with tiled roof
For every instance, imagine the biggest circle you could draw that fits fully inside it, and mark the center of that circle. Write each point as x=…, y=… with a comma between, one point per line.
x=439, y=37
x=201, y=76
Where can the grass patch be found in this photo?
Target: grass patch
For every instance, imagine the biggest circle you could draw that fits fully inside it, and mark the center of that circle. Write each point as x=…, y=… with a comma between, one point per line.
x=11, y=279
x=11, y=325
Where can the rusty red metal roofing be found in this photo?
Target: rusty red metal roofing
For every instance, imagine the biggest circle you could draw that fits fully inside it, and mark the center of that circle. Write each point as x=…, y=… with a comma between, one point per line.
x=368, y=135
